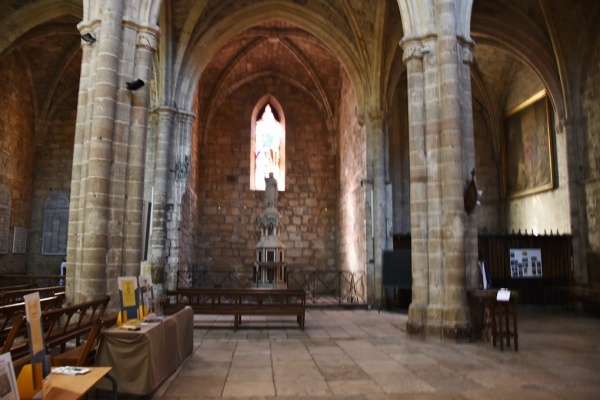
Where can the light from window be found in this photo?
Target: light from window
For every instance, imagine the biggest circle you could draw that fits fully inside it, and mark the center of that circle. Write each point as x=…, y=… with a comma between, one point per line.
x=269, y=156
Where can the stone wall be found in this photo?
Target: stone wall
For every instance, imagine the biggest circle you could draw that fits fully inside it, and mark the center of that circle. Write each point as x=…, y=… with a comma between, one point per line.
x=399, y=168
x=488, y=167
x=17, y=152
x=352, y=201
x=591, y=158
x=544, y=211
x=228, y=208
x=53, y=162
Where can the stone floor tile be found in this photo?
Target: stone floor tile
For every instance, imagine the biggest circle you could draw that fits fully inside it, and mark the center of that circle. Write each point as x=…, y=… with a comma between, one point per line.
x=187, y=386
x=248, y=388
x=366, y=355
x=402, y=383
x=354, y=387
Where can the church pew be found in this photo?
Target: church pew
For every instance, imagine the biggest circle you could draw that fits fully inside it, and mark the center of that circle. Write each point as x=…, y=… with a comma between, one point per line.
x=65, y=326
x=244, y=302
x=9, y=311
x=16, y=295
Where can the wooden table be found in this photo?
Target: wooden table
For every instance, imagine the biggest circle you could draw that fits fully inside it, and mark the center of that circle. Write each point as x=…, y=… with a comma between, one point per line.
x=142, y=360
x=497, y=316
x=74, y=387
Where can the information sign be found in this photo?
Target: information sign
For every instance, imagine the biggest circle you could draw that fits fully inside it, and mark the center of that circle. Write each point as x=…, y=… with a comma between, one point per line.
x=526, y=263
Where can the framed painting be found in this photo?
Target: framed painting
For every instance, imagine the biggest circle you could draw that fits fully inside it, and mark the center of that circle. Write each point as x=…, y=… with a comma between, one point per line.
x=529, y=148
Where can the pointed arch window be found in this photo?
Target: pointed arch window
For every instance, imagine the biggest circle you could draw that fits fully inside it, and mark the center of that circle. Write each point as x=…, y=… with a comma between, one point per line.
x=56, y=224
x=4, y=218
x=267, y=153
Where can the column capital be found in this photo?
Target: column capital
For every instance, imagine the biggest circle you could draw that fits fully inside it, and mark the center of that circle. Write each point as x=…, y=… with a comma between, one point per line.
x=414, y=51
x=415, y=48
x=467, y=55
x=148, y=38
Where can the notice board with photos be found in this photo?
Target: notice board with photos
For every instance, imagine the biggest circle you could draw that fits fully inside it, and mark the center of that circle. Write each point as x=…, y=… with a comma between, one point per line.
x=526, y=263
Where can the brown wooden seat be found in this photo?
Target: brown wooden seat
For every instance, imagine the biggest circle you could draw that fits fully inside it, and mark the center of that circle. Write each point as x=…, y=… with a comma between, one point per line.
x=244, y=302
x=84, y=354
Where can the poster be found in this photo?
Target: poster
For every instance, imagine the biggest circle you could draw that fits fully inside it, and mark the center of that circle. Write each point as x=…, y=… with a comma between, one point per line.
x=147, y=293
x=8, y=381
x=526, y=263
x=129, y=296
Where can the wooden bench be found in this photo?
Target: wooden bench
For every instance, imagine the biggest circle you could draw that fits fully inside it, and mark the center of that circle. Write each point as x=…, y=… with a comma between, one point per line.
x=16, y=295
x=84, y=354
x=244, y=302
x=15, y=287
x=9, y=312
x=587, y=295
x=62, y=326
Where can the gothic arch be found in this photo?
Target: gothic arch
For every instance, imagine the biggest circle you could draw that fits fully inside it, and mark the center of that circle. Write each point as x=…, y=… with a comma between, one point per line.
x=526, y=48
x=33, y=15
x=193, y=59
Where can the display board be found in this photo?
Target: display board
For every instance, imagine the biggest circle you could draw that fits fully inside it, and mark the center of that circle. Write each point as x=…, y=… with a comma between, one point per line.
x=129, y=297
x=526, y=263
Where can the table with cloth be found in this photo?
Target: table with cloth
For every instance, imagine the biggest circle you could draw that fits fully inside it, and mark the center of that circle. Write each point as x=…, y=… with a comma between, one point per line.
x=142, y=360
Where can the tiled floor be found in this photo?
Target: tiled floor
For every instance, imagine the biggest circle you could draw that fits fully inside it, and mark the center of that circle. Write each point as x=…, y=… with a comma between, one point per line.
x=362, y=354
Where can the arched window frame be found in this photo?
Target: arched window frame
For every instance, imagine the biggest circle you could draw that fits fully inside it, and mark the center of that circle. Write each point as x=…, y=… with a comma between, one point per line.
x=56, y=224
x=278, y=110
x=5, y=204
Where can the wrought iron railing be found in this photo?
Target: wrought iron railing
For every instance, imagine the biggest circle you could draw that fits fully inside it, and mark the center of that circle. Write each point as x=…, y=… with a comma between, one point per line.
x=322, y=287
x=343, y=287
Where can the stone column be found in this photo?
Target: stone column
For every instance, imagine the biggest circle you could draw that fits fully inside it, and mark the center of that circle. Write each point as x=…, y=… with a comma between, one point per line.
x=417, y=311
x=159, y=202
x=471, y=246
x=99, y=159
x=377, y=161
x=455, y=311
x=573, y=130
x=76, y=172
x=146, y=46
x=180, y=161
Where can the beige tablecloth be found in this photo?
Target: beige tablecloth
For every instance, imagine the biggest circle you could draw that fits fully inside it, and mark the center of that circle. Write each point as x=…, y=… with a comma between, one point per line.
x=142, y=360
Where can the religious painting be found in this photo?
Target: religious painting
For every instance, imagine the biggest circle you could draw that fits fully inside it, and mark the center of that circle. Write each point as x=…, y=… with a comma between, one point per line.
x=528, y=148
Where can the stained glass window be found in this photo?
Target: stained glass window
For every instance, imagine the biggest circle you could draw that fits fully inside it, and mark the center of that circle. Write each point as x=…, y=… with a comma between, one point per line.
x=268, y=149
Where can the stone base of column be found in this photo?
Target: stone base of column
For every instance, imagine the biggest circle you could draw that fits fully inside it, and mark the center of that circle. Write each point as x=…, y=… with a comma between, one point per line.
x=443, y=323
x=417, y=317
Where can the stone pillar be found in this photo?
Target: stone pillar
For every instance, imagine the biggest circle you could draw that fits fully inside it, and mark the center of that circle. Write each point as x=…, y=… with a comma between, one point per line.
x=108, y=166
x=145, y=48
x=180, y=162
x=170, y=181
x=159, y=201
x=471, y=242
x=441, y=158
x=455, y=310
x=573, y=130
x=434, y=177
x=92, y=279
x=417, y=311
x=377, y=163
x=76, y=172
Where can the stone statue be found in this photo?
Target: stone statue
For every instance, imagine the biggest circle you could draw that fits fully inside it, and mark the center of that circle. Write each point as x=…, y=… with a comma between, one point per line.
x=271, y=191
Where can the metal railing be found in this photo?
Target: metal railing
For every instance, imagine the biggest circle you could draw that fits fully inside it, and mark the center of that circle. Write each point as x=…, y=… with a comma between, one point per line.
x=322, y=287
x=343, y=287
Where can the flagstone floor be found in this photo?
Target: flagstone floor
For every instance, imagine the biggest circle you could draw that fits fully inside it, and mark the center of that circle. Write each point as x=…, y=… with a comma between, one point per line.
x=365, y=355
